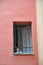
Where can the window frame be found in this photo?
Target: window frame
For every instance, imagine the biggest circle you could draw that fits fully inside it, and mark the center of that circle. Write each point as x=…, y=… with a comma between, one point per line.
x=23, y=22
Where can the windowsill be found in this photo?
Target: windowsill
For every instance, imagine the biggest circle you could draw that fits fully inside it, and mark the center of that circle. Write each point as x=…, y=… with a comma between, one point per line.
x=23, y=54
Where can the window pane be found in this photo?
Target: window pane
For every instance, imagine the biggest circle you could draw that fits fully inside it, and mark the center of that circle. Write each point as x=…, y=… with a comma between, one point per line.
x=24, y=50
x=20, y=39
x=24, y=37
x=28, y=50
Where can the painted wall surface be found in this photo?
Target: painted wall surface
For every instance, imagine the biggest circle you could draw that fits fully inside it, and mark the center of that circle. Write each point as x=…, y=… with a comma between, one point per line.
x=16, y=10
x=39, y=7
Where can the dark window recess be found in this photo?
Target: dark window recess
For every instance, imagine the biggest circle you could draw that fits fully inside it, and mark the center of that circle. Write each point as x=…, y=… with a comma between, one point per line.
x=22, y=38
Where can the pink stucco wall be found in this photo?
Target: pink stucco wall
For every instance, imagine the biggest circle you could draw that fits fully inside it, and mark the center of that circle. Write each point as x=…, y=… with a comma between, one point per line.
x=16, y=10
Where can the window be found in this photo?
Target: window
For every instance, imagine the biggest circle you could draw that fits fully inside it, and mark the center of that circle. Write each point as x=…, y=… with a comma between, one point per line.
x=22, y=38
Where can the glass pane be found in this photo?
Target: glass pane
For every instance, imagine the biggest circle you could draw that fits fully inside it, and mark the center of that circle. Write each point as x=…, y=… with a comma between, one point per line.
x=28, y=50
x=24, y=37
x=20, y=39
x=24, y=50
